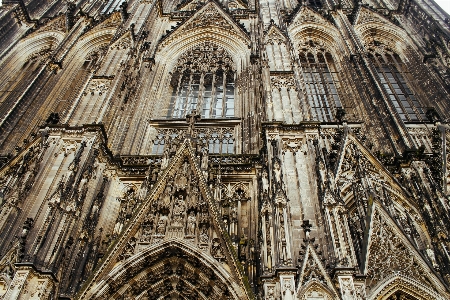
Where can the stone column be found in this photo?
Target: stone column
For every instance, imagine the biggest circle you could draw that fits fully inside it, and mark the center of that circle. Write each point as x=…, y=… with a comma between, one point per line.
x=346, y=285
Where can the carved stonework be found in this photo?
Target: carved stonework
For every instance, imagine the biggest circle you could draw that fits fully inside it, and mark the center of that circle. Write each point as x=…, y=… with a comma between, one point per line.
x=388, y=255
x=224, y=150
x=283, y=81
x=98, y=86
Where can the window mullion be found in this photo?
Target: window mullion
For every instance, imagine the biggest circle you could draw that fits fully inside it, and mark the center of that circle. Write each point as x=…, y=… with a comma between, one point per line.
x=326, y=107
x=213, y=95
x=224, y=96
x=178, y=101
x=189, y=94
x=201, y=90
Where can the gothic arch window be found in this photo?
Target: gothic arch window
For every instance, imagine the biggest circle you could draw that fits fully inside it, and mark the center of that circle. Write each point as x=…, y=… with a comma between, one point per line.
x=203, y=80
x=393, y=76
x=316, y=3
x=112, y=5
x=321, y=82
x=21, y=79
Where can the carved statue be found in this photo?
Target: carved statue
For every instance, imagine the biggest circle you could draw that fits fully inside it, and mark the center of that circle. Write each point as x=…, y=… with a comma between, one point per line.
x=216, y=248
x=185, y=168
x=161, y=227
x=277, y=172
x=204, y=238
x=233, y=214
x=181, y=179
x=146, y=232
x=193, y=199
x=83, y=182
x=288, y=292
x=143, y=190
x=166, y=198
x=180, y=206
x=322, y=171
x=204, y=164
x=191, y=119
x=191, y=223
x=265, y=181
x=432, y=256
x=71, y=172
x=94, y=209
x=165, y=159
x=119, y=225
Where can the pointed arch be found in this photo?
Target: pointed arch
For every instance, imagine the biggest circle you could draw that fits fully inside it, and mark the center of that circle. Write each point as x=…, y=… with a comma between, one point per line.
x=171, y=220
x=370, y=25
x=187, y=267
x=321, y=53
x=277, y=51
x=356, y=164
x=395, y=283
x=211, y=24
x=87, y=43
x=393, y=263
x=203, y=80
x=313, y=275
x=309, y=25
x=170, y=53
x=315, y=289
x=33, y=44
x=22, y=67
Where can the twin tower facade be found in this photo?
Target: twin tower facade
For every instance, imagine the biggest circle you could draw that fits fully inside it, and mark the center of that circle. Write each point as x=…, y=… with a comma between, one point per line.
x=224, y=149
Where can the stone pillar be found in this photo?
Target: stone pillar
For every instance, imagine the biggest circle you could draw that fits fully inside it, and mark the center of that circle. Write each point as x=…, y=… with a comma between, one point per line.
x=270, y=290
x=287, y=283
x=346, y=285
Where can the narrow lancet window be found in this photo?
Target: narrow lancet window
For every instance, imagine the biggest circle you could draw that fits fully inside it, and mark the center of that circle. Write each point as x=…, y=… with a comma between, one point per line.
x=321, y=83
x=392, y=74
x=203, y=80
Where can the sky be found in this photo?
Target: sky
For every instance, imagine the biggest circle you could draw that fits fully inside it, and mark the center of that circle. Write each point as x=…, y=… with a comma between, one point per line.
x=445, y=4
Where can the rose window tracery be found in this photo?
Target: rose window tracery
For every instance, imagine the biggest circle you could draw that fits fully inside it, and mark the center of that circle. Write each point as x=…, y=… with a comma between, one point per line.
x=203, y=80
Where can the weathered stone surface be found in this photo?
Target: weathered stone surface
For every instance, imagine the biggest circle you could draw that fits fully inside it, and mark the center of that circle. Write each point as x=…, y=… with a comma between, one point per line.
x=224, y=149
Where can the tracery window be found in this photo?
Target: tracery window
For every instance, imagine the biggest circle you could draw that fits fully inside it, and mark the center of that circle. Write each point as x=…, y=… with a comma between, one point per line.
x=111, y=6
x=316, y=3
x=203, y=80
x=393, y=73
x=321, y=82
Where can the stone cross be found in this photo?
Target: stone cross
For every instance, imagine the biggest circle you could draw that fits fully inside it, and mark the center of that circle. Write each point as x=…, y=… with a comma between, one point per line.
x=191, y=119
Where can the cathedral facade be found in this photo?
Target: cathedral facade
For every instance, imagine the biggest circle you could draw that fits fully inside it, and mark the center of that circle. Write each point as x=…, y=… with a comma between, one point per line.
x=224, y=149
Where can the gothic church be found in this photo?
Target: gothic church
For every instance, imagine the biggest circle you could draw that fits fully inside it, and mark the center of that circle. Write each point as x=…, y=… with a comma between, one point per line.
x=224, y=149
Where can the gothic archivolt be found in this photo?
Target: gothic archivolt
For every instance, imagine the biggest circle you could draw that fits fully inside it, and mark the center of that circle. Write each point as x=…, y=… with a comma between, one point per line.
x=178, y=211
x=319, y=29
x=171, y=262
x=370, y=26
x=394, y=265
x=210, y=22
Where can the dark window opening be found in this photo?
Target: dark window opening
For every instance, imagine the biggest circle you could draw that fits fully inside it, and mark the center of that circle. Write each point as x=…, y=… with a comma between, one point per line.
x=321, y=84
x=392, y=74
